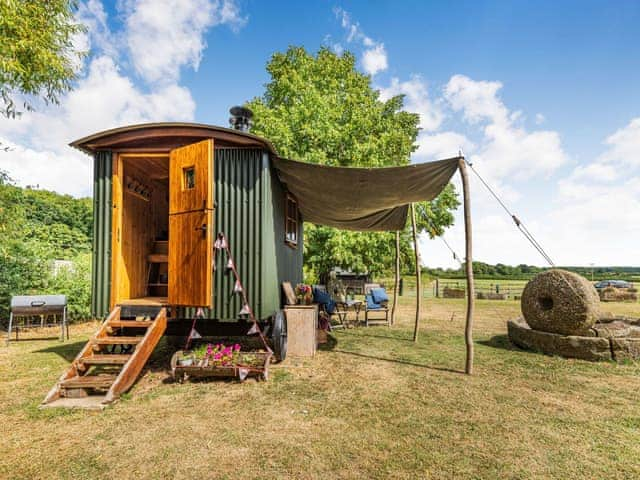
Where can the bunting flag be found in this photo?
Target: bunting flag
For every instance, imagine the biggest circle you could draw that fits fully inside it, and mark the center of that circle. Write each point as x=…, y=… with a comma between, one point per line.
x=237, y=288
x=220, y=242
x=194, y=334
x=230, y=264
x=243, y=372
x=253, y=329
x=245, y=310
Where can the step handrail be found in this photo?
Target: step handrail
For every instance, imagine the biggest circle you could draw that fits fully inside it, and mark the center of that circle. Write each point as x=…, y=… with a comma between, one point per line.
x=131, y=370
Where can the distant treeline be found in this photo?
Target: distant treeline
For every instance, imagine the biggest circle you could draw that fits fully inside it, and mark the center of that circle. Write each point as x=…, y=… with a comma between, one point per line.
x=36, y=228
x=525, y=272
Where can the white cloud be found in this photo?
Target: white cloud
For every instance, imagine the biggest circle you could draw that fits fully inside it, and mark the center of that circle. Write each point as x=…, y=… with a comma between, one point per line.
x=478, y=100
x=105, y=97
x=624, y=145
x=165, y=35
x=417, y=100
x=92, y=14
x=540, y=119
x=374, y=58
x=442, y=145
x=69, y=173
x=513, y=151
x=507, y=147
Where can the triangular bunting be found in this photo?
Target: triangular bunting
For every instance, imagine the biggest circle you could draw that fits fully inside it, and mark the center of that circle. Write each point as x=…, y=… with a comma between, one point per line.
x=194, y=334
x=237, y=288
x=245, y=310
x=230, y=264
x=220, y=242
x=243, y=373
x=254, y=329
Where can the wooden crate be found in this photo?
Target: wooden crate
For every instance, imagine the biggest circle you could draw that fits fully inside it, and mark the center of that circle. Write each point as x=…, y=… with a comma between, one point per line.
x=241, y=370
x=302, y=321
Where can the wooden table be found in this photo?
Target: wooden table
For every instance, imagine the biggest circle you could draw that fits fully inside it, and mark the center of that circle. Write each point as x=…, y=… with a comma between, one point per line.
x=343, y=309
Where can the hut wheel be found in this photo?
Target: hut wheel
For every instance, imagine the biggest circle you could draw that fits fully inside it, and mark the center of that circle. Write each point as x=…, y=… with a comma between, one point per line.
x=279, y=335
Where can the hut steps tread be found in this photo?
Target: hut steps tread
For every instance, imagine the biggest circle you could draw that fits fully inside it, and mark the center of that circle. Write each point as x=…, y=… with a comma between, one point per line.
x=108, y=359
x=121, y=340
x=131, y=323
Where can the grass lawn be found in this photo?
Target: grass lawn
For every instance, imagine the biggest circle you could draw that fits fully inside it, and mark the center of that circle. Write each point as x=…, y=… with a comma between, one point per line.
x=371, y=405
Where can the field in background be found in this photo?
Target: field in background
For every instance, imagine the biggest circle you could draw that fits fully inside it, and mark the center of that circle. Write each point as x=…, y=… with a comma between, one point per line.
x=512, y=288
x=371, y=404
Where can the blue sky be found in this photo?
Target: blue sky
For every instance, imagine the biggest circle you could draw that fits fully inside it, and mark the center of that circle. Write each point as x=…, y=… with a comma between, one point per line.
x=543, y=98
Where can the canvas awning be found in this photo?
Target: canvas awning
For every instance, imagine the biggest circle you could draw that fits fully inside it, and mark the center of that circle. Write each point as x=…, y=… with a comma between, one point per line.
x=363, y=198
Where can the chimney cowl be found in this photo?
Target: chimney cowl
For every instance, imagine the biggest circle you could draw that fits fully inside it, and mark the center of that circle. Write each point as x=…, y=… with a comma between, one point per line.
x=240, y=118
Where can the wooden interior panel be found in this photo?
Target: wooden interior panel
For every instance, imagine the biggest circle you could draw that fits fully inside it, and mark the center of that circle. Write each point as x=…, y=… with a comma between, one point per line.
x=190, y=258
x=137, y=223
x=198, y=158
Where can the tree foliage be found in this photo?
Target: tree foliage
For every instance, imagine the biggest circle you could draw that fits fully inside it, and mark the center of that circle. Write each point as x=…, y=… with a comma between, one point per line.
x=36, y=227
x=37, y=53
x=320, y=109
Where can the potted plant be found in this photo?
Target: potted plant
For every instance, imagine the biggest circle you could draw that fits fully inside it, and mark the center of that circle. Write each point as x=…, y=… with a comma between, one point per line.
x=304, y=294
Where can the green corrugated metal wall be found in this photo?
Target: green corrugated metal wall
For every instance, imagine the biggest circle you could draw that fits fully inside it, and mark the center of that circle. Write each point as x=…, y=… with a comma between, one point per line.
x=102, y=213
x=288, y=260
x=239, y=214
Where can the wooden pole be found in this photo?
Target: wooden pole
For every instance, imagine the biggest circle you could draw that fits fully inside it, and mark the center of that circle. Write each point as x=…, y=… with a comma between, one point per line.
x=468, y=331
x=397, y=280
x=418, y=279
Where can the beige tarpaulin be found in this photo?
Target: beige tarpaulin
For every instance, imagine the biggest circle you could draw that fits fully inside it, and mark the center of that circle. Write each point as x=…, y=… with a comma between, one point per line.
x=363, y=198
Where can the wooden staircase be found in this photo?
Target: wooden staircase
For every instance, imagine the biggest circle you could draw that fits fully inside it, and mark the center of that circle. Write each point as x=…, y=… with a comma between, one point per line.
x=109, y=363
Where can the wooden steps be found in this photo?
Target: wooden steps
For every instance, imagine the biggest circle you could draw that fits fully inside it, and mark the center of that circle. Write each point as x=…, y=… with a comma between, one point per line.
x=80, y=380
x=89, y=381
x=110, y=359
x=118, y=340
x=131, y=323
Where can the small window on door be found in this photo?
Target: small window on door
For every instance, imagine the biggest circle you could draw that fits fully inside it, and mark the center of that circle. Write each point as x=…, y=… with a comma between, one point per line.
x=188, y=178
x=291, y=221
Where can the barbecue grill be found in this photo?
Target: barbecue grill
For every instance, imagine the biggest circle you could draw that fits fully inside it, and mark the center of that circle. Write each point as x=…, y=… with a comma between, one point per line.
x=49, y=310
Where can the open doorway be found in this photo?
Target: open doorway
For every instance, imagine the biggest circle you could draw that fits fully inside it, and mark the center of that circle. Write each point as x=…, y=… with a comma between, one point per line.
x=141, y=229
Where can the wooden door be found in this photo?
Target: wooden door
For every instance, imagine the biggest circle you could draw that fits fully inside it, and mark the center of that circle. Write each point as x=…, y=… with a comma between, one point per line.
x=191, y=225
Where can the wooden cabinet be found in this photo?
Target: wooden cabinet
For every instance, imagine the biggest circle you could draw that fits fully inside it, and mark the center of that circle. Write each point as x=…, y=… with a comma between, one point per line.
x=302, y=321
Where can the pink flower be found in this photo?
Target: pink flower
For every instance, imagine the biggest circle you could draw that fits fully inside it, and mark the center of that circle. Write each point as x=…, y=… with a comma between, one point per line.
x=236, y=347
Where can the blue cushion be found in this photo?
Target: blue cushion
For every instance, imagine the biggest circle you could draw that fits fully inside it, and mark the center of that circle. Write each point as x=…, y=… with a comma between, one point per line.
x=371, y=305
x=379, y=295
x=323, y=298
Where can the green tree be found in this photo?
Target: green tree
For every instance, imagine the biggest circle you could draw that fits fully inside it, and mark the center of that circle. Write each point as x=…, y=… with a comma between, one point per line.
x=320, y=109
x=37, y=54
x=36, y=227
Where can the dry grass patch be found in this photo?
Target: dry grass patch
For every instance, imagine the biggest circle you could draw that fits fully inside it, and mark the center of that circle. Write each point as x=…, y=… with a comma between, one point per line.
x=371, y=405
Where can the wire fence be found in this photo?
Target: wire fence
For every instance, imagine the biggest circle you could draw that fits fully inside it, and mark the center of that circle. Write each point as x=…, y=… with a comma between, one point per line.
x=457, y=288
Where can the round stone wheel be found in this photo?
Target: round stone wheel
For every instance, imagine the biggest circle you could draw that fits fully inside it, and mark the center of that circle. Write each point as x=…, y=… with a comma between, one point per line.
x=558, y=301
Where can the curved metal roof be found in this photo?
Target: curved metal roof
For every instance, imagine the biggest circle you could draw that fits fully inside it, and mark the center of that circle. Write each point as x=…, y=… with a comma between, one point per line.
x=165, y=136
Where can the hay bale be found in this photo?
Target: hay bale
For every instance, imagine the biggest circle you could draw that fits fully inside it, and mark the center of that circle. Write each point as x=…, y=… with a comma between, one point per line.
x=612, y=294
x=450, y=292
x=561, y=302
